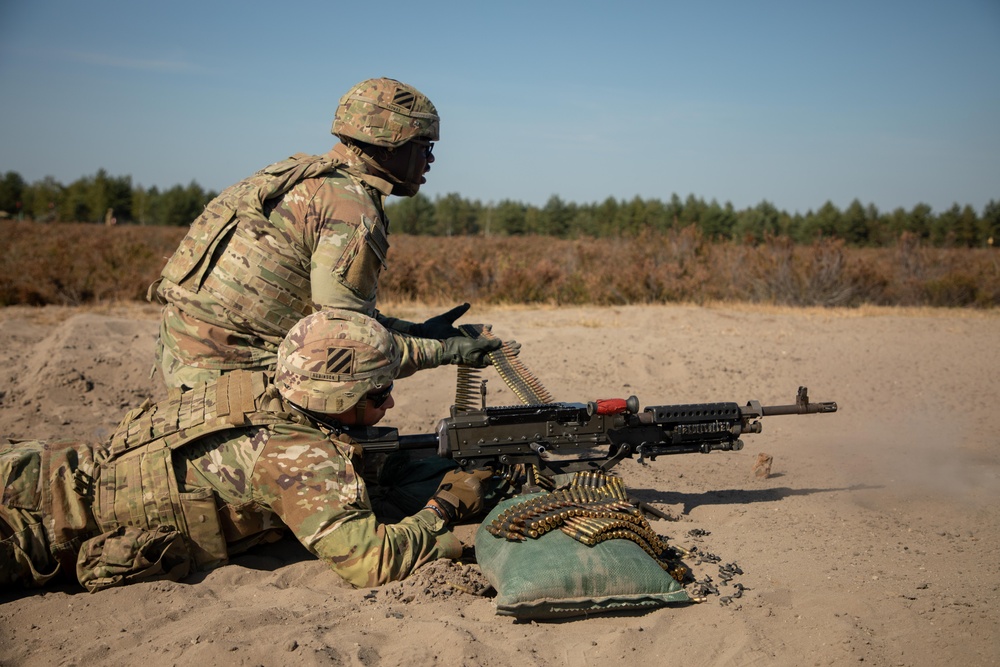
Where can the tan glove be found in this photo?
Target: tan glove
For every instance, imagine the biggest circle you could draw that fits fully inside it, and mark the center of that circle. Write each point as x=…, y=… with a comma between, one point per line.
x=460, y=494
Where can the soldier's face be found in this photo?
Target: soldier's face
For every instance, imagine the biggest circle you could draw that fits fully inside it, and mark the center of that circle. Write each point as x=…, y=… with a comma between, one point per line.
x=409, y=163
x=372, y=415
x=379, y=412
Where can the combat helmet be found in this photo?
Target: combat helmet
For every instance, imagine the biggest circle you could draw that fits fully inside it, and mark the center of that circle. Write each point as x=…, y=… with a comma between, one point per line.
x=385, y=112
x=331, y=359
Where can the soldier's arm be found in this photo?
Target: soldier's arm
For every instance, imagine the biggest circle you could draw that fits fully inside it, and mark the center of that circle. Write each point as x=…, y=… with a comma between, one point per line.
x=417, y=353
x=312, y=486
x=348, y=242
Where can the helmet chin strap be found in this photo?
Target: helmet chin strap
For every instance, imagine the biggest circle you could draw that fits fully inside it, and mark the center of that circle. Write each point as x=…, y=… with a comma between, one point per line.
x=401, y=188
x=411, y=185
x=373, y=164
x=359, y=410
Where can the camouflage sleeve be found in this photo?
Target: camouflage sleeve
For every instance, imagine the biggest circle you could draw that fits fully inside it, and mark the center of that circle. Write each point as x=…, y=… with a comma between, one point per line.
x=417, y=353
x=349, y=244
x=311, y=484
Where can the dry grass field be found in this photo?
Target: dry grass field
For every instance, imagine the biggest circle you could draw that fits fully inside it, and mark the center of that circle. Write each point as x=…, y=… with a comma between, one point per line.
x=74, y=264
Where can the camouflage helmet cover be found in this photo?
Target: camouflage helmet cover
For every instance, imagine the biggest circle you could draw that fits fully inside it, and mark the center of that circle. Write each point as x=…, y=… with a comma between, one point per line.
x=385, y=112
x=331, y=359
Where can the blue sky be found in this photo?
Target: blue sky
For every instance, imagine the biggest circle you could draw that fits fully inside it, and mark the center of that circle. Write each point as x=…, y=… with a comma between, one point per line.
x=891, y=102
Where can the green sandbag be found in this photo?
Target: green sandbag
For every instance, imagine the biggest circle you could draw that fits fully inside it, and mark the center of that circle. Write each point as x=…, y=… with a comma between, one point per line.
x=555, y=576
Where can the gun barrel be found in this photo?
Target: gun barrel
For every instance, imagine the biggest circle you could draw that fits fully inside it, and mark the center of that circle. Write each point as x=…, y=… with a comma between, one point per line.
x=420, y=441
x=799, y=409
x=384, y=440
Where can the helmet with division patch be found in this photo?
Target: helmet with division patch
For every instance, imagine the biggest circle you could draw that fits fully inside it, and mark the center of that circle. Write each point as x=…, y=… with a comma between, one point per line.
x=333, y=358
x=385, y=112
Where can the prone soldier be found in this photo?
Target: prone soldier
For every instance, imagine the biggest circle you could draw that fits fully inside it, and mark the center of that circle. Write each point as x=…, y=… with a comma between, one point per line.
x=213, y=471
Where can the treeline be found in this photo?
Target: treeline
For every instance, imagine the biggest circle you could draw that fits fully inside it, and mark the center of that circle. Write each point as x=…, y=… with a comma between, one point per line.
x=857, y=225
x=100, y=198
x=103, y=198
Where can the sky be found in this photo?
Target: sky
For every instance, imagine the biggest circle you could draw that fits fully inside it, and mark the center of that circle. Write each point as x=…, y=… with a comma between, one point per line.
x=798, y=103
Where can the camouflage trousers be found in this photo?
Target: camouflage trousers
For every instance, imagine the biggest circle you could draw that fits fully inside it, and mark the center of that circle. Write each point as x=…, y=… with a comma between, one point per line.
x=48, y=530
x=25, y=558
x=190, y=351
x=177, y=374
x=24, y=555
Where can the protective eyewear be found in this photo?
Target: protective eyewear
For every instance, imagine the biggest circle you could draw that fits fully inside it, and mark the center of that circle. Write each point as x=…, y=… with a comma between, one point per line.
x=378, y=399
x=428, y=149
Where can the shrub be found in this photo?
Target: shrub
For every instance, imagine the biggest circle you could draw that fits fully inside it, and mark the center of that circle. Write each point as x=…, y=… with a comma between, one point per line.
x=81, y=263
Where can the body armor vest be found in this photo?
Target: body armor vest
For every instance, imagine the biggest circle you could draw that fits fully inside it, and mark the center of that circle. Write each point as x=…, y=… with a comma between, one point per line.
x=137, y=485
x=267, y=294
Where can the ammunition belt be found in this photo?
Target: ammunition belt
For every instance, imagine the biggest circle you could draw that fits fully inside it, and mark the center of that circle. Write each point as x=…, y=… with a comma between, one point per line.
x=525, y=385
x=592, y=508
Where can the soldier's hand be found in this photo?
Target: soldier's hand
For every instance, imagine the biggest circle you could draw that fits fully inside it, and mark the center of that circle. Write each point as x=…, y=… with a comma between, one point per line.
x=441, y=326
x=460, y=494
x=471, y=351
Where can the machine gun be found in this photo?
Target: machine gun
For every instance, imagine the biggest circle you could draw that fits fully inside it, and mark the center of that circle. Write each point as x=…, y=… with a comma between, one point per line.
x=556, y=438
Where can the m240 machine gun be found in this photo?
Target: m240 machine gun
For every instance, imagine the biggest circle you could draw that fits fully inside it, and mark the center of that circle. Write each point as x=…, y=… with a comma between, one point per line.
x=556, y=438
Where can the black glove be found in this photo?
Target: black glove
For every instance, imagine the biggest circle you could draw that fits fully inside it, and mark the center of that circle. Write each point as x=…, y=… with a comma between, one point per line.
x=460, y=494
x=470, y=351
x=440, y=326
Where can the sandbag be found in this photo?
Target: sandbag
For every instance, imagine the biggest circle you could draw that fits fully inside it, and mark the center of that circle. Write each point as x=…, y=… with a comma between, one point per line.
x=556, y=576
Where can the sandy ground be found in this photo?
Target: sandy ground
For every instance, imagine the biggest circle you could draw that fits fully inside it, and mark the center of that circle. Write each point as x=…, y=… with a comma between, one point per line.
x=873, y=542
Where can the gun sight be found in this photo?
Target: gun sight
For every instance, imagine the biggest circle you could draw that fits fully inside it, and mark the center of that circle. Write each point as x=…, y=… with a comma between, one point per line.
x=802, y=406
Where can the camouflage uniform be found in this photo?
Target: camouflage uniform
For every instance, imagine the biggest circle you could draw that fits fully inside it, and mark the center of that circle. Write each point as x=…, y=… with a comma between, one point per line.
x=300, y=235
x=193, y=480
x=43, y=515
x=253, y=264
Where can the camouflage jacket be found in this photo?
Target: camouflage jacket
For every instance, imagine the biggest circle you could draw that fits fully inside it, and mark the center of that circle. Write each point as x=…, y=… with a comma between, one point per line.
x=302, y=234
x=227, y=464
